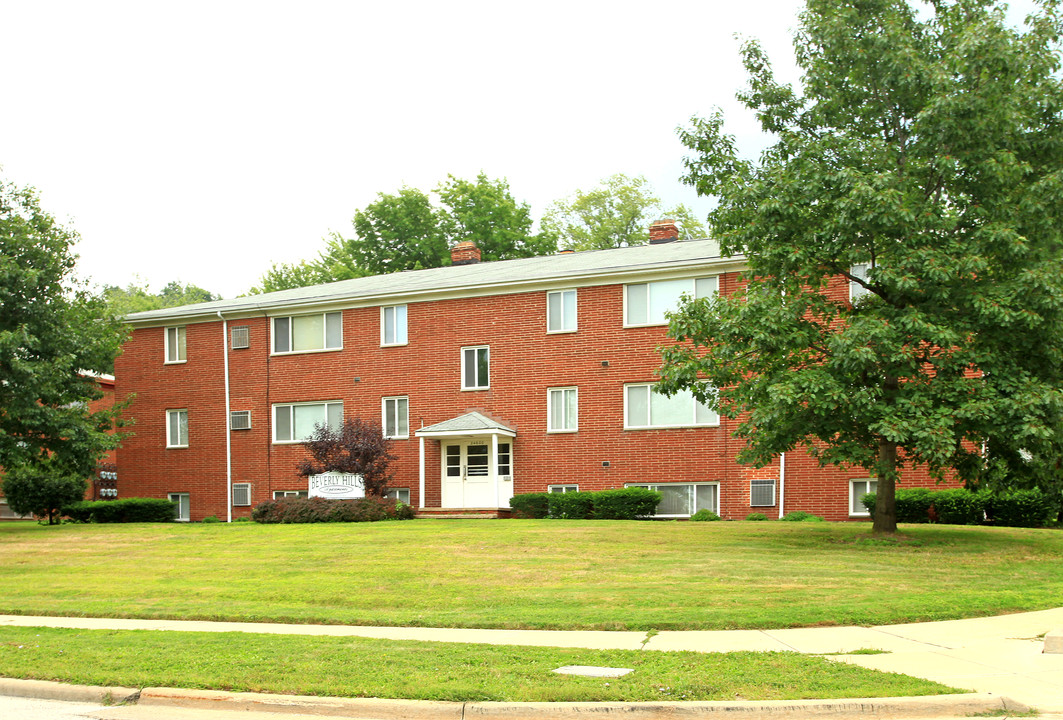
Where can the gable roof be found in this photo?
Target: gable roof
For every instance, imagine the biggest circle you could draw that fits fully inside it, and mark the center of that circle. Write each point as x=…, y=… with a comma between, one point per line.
x=472, y=423
x=485, y=278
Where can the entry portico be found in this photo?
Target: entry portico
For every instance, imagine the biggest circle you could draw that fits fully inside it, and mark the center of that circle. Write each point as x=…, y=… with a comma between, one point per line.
x=476, y=461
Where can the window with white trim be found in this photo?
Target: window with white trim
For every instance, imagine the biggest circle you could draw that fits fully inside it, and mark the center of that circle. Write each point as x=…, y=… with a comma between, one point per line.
x=646, y=408
x=183, y=510
x=505, y=460
x=240, y=420
x=856, y=290
x=295, y=422
x=561, y=311
x=560, y=489
x=281, y=494
x=400, y=494
x=684, y=499
x=176, y=346
x=241, y=494
x=762, y=492
x=308, y=333
x=393, y=325
x=396, y=417
x=475, y=368
x=857, y=489
x=176, y=428
x=647, y=303
x=562, y=410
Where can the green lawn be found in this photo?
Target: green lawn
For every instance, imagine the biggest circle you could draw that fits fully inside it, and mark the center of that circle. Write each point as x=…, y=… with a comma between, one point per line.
x=356, y=667
x=530, y=574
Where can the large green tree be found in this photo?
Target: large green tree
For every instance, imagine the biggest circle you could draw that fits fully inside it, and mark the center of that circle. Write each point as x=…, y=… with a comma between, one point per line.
x=136, y=297
x=616, y=213
x=923, y=163
x=407, y=231
x=53, y=335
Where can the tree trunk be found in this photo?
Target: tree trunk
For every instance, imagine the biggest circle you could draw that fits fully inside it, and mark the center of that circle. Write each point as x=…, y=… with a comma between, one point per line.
x=885, y=492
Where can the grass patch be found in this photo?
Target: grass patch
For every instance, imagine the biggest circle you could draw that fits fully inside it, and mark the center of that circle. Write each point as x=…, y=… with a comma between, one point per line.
x=610, y=575
x=357, y=667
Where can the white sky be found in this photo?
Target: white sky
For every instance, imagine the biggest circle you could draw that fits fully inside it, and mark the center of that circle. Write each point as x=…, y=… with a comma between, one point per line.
x=202, y=141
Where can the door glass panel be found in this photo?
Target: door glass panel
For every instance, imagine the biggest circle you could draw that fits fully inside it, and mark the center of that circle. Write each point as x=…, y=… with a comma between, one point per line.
x=453, y=460
x=503, y=459
x=478, y=460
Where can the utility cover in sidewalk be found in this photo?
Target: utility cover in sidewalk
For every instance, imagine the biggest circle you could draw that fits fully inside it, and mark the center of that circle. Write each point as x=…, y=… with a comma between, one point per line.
x=1054, y=642
x=592, y=671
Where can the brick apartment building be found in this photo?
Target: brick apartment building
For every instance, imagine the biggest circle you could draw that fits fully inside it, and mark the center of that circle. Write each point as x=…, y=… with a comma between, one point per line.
x=490, y=378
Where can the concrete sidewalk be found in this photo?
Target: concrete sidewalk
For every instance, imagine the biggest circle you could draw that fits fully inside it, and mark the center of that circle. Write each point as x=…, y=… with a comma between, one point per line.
x=996, y=655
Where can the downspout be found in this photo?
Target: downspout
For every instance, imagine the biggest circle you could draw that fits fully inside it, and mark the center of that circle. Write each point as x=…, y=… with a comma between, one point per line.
x=782, y=483
x=228, y=433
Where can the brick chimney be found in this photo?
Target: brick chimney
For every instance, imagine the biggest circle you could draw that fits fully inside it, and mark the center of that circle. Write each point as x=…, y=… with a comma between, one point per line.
x=464, y=253
x=663, y=231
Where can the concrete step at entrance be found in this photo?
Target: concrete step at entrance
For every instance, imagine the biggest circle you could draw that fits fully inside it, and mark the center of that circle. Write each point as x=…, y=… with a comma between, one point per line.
x=464, y=513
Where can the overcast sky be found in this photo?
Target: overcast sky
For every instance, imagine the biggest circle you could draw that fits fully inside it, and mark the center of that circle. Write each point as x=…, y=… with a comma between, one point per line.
x=203, y=141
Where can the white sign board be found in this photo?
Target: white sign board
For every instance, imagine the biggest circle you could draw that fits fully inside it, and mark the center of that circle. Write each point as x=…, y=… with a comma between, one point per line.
x=337, y=486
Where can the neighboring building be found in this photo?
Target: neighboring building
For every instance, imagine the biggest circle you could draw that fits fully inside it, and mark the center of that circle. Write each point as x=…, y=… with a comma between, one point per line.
x=491, y=378
x=104, y=482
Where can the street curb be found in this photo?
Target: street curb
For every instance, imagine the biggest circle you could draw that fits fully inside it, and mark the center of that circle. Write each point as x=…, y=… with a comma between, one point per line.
x=382, y=709
x=379, y=709
x=48, y=690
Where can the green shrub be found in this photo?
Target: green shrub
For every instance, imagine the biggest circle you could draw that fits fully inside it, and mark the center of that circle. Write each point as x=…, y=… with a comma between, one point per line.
x=957, y=506
x=624, y=503
x=571, y=505
x=753, y=516
x=1021, y=508
x=704, y=515
x=913, y=505
x=802, y=516
x=530, y=505
x=315, y=510
x=126, y=510
x=211, y=519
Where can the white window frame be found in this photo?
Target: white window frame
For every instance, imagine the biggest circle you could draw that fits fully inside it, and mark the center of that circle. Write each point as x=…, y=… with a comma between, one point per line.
x=562, y=489
x=401, y=433
x=556, y=325
x=713, y=419
x=399, y=326
x=244, y=488
x=291, y=419
x=762, y=482
x=184, y=502
x=180, y=339
x=169, y=436
x=692, y=506
x=475, y=350
x=854, y=497
x=710, y=286
x=281, y=494
x=856, y=290
x=569, y=425
x=244, y=413
x=325, y=347
x=400, y=494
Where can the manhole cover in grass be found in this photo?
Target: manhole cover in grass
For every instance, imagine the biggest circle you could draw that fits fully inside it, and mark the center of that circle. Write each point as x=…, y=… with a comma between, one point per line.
x=593, y=671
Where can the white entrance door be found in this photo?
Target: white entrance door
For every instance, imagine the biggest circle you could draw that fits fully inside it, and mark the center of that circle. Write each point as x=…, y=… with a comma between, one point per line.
x=467, y=478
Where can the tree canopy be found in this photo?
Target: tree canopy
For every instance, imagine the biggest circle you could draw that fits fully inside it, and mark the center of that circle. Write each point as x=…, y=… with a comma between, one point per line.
x=922, y=163
x=53, y=336
x=617, y=213
x=407, y=231
x=136, y=297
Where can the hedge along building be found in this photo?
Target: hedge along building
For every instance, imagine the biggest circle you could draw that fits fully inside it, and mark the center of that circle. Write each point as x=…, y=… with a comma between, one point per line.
x=490, y=378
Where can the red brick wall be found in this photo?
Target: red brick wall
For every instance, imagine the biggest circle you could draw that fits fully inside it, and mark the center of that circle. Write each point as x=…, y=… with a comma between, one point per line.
x=524, y=362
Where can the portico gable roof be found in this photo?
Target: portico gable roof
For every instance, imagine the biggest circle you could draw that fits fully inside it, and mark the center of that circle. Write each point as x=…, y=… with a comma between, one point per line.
x=472, y=423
